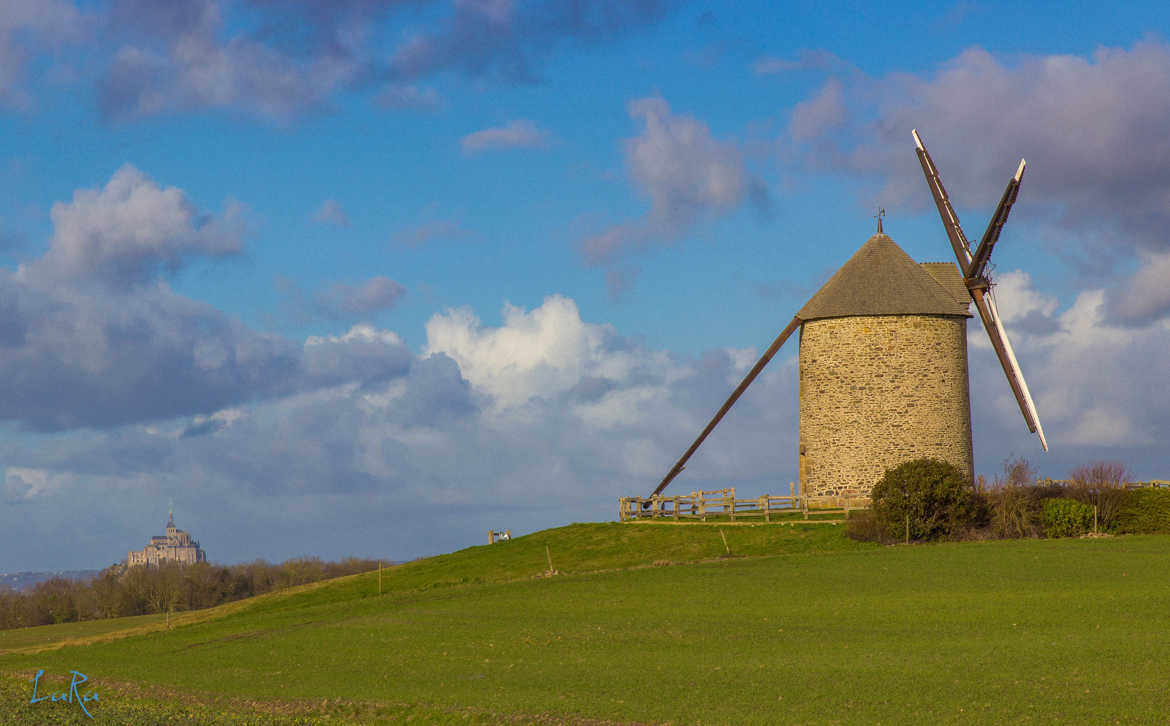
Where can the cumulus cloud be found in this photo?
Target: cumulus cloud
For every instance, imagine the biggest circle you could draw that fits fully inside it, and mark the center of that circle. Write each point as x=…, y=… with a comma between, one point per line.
x=534, y=354
x=128, y=231
x=508, y=39
x=1090, y=377
x=92, y=338
x=807, y=59
x=343, y=300
x=818, y=114
x=429, y=229
x=331, y=213
x=25, y=483
x=1146, y=295
x=364, y=356
x=29, y=28
x=545, y=418
x=1095, y=131
x=178, y=57
x=281, y=61
x=548, y=418
x=398, y=96
x=518, y=134
x=686, y=173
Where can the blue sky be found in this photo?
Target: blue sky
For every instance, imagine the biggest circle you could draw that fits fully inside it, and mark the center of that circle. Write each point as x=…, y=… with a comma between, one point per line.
x=374, y=279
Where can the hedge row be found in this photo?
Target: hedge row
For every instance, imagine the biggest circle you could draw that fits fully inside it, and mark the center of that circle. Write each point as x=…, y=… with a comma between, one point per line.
x=929, y=499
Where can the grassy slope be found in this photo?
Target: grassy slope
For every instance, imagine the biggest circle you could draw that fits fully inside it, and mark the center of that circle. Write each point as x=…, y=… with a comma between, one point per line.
x=1024, y=632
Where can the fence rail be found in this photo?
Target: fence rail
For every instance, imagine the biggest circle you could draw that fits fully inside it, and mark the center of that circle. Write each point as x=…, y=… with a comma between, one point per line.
x=699, y=505
x=723, y=502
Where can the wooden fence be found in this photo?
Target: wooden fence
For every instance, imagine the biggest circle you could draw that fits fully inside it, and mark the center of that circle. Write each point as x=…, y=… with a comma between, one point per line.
x=723, y=502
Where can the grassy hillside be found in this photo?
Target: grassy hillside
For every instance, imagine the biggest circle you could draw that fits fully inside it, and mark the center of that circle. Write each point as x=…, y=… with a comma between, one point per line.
x=812, y=629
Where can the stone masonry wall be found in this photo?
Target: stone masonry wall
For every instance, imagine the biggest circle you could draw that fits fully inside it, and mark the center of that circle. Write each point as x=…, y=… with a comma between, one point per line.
x=878, y=391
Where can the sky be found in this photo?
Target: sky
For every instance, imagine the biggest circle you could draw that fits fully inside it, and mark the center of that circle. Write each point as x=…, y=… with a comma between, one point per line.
x=370, y=278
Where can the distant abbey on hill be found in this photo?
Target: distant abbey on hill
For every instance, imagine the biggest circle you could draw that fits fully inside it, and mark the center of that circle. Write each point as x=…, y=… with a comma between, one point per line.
x=175, y=546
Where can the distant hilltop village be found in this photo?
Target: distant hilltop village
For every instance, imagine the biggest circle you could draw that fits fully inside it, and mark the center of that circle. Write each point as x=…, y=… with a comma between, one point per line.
x=175, y=546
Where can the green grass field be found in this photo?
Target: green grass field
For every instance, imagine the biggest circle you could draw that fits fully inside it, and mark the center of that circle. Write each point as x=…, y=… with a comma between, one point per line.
x=801, y=626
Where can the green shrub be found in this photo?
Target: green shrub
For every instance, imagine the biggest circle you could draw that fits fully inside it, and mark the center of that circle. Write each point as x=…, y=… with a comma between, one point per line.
x=1147, y=512
x=929, y=497
x=1066, y=517
x=1100, y=484
x=1015, y=508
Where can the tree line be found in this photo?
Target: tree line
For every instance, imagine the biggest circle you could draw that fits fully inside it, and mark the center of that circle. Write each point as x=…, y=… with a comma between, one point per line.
x=118, y=590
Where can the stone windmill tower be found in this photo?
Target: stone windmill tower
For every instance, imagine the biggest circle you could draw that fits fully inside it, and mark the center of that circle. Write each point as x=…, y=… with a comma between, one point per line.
x=883, y=372
x=883, y=359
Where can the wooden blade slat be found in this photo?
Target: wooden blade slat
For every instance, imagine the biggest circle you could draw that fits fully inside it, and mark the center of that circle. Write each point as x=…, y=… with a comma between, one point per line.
x=747, y=381
x=1007, y=359
x=950, y=220
x=995, y=226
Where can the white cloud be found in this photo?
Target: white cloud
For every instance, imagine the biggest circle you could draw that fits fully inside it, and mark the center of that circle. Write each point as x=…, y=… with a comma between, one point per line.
x=417, y=236
x=130, y=229
x=1095, y=383
x=818, y=114
x=29, y=27
x=407, y=96
x=543, y=352
x=330, y=212
x=1095, y=131
x=23, y=483
x=687, y=174
x=680, y=166
x=342, y=301
x=1146, y=295
x=357, y=334
x=180, y=58
x=518, y=134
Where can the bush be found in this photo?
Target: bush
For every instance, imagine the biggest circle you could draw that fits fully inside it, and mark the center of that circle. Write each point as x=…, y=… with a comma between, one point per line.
x=1066, y=517
x=1101, y=485
x=1147, y=512
x=1016, y=509
x=863, y=526
x=930, y=497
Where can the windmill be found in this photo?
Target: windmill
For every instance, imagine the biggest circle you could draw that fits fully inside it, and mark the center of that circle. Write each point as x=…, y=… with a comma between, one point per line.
x=883, y=359
x=977, y=279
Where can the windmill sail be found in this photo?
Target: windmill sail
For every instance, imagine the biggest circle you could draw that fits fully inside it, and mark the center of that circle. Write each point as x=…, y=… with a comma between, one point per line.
x=974, y=268
x=747, y=381
x=945, y=210
x=983, y=252
x=1016, y=376
x=992, y=323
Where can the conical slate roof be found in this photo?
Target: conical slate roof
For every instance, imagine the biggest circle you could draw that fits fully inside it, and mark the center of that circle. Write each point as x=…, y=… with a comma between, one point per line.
x=881, y=279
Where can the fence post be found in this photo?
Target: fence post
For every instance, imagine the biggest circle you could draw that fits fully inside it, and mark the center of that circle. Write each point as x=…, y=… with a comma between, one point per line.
x=732, y=500
x=764, y=506
x=676, y=509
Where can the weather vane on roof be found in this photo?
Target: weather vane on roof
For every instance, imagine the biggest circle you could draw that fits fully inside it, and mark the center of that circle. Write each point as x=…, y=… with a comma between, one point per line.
x=880, y=213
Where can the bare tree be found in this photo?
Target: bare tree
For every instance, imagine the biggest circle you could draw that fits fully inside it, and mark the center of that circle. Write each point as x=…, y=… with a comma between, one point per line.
x=1016, y=472
x=1100, y=473
x=1101, y=484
